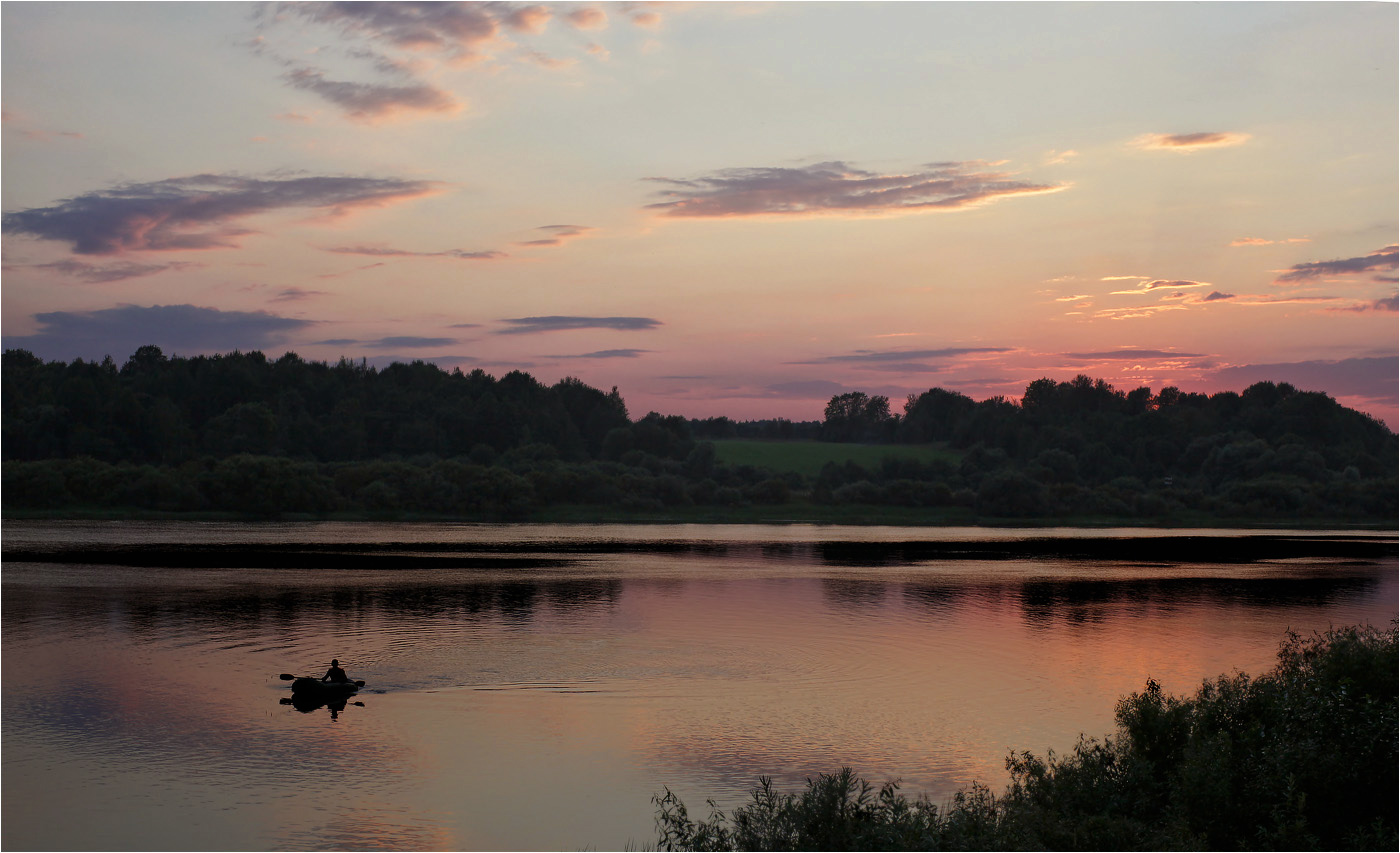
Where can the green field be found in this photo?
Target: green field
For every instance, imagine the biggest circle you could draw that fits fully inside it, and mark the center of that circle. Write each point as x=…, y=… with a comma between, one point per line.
x=808, y=457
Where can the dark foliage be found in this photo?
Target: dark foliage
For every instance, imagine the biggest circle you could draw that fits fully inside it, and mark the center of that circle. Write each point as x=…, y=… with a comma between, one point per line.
x=240, y=433
x=1083, y=448
x=1302, y=758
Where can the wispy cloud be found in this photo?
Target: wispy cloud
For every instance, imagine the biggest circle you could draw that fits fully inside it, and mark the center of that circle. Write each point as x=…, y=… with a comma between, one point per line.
x=1387, y=258
x=296, y=294
x=1136, y=312
x=805, y=389
x=104, y=273
x=1160, y=284
x=1129, y=354
x=409, y=342
x=174, y=328
x=835, y=188
x=606, y=353
x=535, y=325
x=374, y=102
x=1188, y=142
x=27, y=129
x=386, y=252
x=558, y=235
x=196, y=212
x=902, y=356
x=1216, y=296
x=1386, y=304
x=1260, y=241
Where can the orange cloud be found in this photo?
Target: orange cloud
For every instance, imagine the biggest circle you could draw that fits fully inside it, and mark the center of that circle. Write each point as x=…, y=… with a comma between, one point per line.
x=588, y=18
x=1160, y=284
x=1187, y=142
x=1259, y=241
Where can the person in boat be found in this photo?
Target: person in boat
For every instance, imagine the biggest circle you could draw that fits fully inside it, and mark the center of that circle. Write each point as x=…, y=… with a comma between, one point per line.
x=335, y=674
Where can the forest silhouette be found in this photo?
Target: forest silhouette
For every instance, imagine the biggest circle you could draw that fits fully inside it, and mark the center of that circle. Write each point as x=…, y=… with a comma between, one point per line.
x=240, y=433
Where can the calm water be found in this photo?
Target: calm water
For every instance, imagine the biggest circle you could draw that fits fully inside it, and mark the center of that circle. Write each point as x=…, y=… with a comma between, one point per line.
x=531, y=687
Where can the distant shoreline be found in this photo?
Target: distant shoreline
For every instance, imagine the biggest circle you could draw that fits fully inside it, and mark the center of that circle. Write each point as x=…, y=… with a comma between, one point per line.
x=855, y=516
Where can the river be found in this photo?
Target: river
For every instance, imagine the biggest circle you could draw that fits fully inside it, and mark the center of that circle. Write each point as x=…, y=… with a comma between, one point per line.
x=533, y=686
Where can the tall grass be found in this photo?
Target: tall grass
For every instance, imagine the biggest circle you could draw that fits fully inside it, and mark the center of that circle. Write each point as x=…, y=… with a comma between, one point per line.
x=1304, y=757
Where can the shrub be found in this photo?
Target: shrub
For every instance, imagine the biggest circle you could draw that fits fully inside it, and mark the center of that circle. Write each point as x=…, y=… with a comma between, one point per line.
x=1303, y=757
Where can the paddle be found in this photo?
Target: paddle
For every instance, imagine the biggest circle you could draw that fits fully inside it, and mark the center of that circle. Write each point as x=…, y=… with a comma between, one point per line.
x=287, y=676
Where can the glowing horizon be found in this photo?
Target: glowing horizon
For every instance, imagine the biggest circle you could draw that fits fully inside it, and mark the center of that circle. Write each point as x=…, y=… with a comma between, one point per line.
x=668, y=199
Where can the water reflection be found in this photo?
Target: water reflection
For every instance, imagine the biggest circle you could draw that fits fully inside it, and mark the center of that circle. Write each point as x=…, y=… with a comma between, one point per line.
x=598, y=668
x=306, y=703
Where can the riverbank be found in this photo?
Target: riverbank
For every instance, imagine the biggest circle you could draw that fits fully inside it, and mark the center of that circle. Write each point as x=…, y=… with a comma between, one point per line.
x=790, y=513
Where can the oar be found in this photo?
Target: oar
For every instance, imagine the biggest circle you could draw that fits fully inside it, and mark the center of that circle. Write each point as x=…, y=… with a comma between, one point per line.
x=287, y=676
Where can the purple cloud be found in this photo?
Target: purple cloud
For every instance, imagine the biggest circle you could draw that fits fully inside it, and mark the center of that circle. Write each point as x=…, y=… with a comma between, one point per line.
x=902, y=358
x=1370, y=378
x=1130, y=354
x=1215, y=296
x=1387, y=258
x=174, y=328
x=607, y=353
x=835, y=188
x=808, y=389
x=558, y=234
x=409, y=342
x=372, y=102
x=195, y=212
x=533, y=325
x=459, y=29
x=296, y=294
x=103, y=274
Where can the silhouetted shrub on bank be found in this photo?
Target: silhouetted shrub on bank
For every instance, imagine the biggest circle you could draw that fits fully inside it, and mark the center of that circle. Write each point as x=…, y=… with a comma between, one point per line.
x=1303, y=757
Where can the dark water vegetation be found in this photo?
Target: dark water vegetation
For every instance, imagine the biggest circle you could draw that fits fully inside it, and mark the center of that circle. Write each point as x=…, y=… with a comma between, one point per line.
x=239, y=435
x=1301, y=758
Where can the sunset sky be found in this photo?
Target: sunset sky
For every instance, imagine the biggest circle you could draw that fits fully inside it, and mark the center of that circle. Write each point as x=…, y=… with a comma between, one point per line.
x=721, y=208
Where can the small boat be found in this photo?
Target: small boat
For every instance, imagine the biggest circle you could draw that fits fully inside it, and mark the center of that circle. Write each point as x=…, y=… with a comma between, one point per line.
x=317, y=687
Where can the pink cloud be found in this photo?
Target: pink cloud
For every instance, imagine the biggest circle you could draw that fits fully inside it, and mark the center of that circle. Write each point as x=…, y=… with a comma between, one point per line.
x=588, y=18
x=649, y=20
x=529, y=19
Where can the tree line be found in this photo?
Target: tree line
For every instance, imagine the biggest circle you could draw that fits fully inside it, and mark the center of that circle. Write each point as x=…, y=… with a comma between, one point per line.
x=239, y=432
x=1084, y=447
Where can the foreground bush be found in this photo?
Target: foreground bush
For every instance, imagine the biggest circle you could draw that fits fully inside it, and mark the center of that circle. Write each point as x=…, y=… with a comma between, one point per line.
x=1301, y=758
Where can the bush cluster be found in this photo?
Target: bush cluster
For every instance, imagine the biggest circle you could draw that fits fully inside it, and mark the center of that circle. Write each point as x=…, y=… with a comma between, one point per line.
x=1302, y=758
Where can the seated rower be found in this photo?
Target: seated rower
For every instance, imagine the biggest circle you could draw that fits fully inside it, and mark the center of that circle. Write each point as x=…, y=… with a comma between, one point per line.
x=335, y=674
